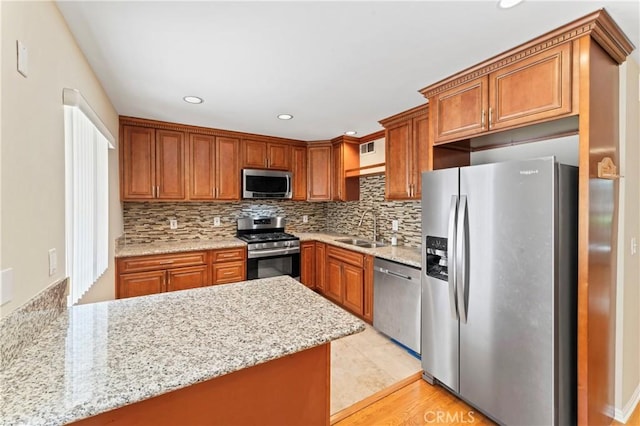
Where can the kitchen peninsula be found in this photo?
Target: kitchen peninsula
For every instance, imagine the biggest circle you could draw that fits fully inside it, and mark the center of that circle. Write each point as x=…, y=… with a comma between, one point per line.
x=249, y=352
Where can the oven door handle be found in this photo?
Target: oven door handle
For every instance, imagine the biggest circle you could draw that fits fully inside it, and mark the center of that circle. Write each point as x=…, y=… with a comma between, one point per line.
x=273, y=252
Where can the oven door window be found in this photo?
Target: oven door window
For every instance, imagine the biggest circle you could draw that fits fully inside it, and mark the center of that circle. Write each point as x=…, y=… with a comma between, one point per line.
x=265, y=267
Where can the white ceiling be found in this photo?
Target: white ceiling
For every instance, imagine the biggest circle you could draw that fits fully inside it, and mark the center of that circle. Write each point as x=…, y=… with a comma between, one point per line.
x=335, y=66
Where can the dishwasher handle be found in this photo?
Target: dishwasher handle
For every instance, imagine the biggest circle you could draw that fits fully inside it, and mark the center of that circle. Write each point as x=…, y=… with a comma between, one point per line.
x=395, y=274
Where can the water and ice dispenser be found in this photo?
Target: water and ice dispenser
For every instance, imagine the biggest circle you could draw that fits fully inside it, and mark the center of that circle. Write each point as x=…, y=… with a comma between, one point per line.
x=437, y=262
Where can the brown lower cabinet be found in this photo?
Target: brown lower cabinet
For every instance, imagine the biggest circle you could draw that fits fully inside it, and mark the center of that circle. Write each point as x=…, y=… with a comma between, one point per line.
x=143, y=275
x=343, y=276
x=308, y=263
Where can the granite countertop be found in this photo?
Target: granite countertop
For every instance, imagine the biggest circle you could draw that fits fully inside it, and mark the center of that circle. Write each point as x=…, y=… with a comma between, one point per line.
x=162, y=247
x=97, y=357
x=408, y=255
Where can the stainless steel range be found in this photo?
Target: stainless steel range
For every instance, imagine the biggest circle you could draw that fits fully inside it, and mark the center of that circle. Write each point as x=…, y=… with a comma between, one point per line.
x=270, y=250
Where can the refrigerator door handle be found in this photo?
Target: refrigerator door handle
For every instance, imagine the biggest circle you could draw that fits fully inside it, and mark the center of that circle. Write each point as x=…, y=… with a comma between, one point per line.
x=451, y=256
x=462, y=278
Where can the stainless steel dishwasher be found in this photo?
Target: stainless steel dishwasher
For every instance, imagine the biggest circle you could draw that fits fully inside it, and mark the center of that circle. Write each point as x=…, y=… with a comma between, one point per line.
x=396, y=302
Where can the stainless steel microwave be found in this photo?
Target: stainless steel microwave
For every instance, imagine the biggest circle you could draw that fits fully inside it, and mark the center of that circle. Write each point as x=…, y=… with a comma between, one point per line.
x=266, y=184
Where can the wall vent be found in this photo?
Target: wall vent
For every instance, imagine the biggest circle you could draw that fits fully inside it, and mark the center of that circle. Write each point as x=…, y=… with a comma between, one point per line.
x=367, y=148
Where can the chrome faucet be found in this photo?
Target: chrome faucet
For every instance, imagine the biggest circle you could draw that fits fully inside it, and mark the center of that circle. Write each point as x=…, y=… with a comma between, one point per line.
x=374, y=222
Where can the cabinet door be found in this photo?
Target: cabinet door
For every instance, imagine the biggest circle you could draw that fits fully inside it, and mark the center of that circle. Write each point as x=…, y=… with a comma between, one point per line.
x=308, y=261
x=254, y=154
x=185, y=278
x=367, y=310
x=138, y=163
x=338, y=173
x=228, y=272
x=321, y=272
x=460, y=111
x=419, y=154
x=333, y=285
x=299, y=171
x=534, y=89
x=170, y=175
x=227, y=168
x=141, y=283
x=278, y=156
x=398, y=150
x=319, y=180
x=353, y=282
x=202, y=168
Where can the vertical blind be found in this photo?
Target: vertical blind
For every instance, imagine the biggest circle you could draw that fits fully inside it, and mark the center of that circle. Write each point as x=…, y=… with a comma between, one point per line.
x=86, y=201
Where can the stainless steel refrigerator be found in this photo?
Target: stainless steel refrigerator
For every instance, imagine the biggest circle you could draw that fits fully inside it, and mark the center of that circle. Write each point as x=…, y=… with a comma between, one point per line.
x=499, y=288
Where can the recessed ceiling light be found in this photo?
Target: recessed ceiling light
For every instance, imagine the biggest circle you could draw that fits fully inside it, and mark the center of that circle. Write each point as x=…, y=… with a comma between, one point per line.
x=193, y=99
x=350, y=133
x=285, y=116
x=506, y=4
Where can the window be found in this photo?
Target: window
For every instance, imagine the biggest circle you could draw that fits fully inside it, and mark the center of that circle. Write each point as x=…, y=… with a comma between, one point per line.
x=87, y=142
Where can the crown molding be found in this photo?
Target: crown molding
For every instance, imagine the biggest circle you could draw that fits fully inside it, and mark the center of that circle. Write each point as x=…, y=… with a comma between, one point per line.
x=599, y=25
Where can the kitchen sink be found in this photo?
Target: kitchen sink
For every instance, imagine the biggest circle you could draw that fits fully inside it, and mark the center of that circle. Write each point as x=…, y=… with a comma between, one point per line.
x=360, y=243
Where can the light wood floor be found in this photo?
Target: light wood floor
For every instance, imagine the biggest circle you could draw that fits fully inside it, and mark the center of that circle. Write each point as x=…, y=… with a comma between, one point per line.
x=419, y=403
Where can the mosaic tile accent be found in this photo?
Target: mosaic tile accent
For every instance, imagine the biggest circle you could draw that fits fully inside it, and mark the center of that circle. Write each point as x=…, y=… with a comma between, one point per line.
x=149, y=222
x=22, y=327
x=344, y=217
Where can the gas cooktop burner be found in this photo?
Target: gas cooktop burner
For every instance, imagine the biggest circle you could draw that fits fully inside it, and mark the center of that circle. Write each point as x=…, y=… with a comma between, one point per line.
x=270, y=236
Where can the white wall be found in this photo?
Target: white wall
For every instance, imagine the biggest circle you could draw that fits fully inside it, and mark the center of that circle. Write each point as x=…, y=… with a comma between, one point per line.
x=565, y=149
x=627, y=391
x=32, y=163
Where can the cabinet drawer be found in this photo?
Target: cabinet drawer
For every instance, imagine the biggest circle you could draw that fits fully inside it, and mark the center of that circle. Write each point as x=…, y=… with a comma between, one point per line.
x=346, y=256
x=162, y=261
x=226, y=255
x=228, y=272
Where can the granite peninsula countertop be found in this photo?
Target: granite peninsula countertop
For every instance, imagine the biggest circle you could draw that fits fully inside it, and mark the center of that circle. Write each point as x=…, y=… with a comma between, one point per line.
x=408, y=255
x=97, y=357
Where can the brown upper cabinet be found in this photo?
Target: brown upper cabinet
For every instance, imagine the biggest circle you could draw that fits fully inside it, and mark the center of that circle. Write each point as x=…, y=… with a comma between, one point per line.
x=319, y=172
x=214, y=173
x=265, y=155
x=531, y=90
x=299, y=172
x=406, y=139
x=164, y=161
x=153, y=164
x=346, y=155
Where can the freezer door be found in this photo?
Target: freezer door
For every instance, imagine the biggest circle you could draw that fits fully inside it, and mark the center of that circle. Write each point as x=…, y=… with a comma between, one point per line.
x=439, y=314
x=506, y=343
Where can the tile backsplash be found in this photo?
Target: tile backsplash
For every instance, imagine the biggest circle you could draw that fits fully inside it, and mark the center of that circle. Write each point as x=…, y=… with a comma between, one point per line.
x=344, y=217
x=146, y=222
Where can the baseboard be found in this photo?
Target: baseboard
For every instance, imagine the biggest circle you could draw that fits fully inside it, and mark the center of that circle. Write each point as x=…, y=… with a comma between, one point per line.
x=623, y=415
x=344, y=413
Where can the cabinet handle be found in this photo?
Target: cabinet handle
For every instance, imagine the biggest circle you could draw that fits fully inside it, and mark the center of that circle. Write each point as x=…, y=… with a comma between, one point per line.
x=166, y=262
x=490, y=117
x=266, y=162
x=482, y=119
x=216, y=193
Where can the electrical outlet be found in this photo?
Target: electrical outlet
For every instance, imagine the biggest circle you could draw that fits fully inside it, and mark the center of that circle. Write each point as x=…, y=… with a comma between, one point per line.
x=53, y=262
x=634, y=246
x=394, y=225
x=23, y=58
x=6, y=286
x=216, y=221
x=305, y=219
x=173, y=223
